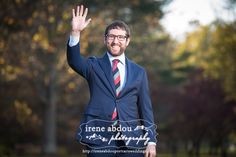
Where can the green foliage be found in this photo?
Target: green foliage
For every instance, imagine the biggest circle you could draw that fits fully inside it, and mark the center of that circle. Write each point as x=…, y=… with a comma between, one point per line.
x=224, y=57
x=206, y=97
x=212, y=48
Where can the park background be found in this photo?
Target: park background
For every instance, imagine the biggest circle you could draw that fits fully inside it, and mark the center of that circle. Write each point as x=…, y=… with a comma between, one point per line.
x=192, y=80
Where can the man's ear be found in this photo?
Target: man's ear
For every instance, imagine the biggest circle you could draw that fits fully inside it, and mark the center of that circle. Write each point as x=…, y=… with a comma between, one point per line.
x=104, y=40
x=127, y=42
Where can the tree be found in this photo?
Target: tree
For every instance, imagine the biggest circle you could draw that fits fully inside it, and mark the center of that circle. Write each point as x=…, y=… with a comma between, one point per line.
x=223, y=56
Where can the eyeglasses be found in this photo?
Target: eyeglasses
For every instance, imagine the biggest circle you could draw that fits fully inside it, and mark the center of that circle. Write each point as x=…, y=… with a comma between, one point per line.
x=119, y=37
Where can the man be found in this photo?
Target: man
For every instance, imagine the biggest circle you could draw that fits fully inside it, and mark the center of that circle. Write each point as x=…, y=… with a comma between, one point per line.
x=119, y=96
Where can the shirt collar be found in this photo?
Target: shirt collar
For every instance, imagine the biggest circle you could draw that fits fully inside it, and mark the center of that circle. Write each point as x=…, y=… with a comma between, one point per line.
x=121, y=58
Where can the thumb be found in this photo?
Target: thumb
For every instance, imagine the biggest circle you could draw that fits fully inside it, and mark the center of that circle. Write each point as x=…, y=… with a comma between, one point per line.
x=87, y=22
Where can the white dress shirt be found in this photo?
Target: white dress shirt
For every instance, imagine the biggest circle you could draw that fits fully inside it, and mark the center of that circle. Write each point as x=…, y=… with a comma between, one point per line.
x=73, y=40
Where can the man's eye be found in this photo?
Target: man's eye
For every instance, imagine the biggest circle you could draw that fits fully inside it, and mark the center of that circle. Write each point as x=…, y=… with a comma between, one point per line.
x=121, y=37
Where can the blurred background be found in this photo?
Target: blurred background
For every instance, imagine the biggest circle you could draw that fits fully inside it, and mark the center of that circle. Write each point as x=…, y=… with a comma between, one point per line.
x=188, y=48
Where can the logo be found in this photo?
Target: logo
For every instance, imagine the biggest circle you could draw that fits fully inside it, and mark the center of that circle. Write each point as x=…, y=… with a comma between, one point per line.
x=134, y=133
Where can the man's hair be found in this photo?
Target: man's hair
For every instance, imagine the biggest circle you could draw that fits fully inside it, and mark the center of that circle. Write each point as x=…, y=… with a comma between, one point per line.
x=118, y=24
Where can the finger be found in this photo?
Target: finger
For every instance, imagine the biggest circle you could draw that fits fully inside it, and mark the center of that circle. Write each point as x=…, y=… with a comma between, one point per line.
x=146, y=153
x=85, y=13
x=77, y=12
x=81, y=10
x=88, y=21
x=73, y=12
x=153, y=154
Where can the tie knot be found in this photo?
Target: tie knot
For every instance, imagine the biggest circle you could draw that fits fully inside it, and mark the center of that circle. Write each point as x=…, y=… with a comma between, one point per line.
x=115, y=62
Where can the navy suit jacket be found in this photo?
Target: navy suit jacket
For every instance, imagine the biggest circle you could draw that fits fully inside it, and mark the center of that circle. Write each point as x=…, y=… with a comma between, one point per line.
x=133, y=104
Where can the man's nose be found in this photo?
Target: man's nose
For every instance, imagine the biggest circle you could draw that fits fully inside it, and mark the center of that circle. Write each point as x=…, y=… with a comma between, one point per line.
x=116, y=40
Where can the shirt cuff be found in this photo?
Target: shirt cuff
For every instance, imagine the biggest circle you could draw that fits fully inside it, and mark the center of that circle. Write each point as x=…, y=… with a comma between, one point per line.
x=152, y=143
x=73, y=40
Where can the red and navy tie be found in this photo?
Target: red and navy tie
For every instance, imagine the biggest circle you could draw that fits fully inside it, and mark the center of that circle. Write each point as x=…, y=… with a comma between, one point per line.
x=116, y=76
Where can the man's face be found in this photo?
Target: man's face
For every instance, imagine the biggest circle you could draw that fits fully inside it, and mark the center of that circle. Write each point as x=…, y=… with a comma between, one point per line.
x=116, y=41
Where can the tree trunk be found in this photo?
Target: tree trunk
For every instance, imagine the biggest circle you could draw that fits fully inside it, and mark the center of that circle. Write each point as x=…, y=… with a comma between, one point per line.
x=190, y=148
x=174, y=148
x=224, y=147
x=49, y=129
x=197, y=149
x=49, y=126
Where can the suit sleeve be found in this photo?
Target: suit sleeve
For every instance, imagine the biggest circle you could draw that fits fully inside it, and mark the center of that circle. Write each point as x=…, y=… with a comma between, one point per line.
x=145, y=109
x=77, y=62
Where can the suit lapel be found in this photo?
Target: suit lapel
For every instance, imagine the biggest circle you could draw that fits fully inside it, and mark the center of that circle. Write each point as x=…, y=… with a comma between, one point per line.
x=106, y=67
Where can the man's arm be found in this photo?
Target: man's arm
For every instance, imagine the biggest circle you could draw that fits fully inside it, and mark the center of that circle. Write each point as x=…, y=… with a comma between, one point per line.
x=79, y=23
x=146, y=112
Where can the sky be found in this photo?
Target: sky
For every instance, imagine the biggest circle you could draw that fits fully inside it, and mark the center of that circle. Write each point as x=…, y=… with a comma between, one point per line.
x=180, y=12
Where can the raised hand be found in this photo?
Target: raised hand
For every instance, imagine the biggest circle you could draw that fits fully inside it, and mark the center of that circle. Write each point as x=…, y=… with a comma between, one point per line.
x=79, y=21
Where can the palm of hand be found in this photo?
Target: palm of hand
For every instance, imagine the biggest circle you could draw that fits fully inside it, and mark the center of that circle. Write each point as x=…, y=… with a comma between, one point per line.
x=79, y=21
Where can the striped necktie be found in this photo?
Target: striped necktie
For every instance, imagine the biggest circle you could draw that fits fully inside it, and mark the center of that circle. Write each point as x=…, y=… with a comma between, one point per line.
x=116, y=77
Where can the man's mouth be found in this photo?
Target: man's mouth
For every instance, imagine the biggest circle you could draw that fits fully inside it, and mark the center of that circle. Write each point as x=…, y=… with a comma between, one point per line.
x=115, y=46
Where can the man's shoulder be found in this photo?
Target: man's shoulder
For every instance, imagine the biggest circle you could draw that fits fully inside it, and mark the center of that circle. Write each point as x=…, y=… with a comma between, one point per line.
x=136, y=65
x=97, y=59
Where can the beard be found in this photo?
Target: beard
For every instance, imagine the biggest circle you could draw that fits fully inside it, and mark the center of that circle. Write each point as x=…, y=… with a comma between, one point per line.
x=115, y=49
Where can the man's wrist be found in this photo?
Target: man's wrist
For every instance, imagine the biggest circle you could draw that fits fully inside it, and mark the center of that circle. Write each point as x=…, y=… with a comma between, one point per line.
x=152, y=143
x=75, y=33
x=73, y=40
